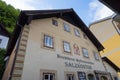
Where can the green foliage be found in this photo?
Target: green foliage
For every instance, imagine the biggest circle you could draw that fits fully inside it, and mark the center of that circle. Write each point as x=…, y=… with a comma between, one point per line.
x=8, y=16
x=2, y=63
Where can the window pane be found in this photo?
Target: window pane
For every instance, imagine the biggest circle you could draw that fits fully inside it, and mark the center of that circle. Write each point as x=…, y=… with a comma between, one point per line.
x=51, y=77
x=46, y=76
x=54, y=22
x=77, y=33
x=66, y=46
x=85, y=52
x=96, y=56
x=66, y=27
x=81, y=76
x=70, y=77
x=48, y=41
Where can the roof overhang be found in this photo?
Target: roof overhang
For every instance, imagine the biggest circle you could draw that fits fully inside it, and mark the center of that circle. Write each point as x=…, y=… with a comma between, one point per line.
x=112, y=4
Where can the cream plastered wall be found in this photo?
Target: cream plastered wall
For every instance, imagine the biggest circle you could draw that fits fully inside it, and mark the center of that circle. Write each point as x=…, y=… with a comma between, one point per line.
x=103, y=30
x=107, y=34
x=37, y=57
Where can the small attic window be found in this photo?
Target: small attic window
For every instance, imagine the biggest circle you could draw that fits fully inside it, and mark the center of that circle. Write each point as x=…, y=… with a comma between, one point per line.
x=84, y=35
x=54, y=22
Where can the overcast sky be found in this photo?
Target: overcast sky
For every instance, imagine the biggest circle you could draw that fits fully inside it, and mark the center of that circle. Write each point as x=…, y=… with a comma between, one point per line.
x=88, y=10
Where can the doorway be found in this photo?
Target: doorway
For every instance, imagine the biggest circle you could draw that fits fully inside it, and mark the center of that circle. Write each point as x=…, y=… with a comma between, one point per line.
x=91, y=77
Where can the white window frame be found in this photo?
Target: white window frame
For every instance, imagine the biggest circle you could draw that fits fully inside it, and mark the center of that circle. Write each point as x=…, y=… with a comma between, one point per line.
x=48, y=41
x=66, y=27
x=49, y=76
x=77, y=32
x=66, y=47
x=85, y=52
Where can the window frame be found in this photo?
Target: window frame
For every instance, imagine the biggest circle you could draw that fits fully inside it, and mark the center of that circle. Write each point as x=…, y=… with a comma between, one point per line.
x=72, y=76
x=54, y=22
x=85, y=36
x=44, y=71
x=96, y=56
x=49, y=74
x=77, y=32
x=64, y=47
x=84, y=53
x=46, y=44
x=81, y=75
x=66, y=27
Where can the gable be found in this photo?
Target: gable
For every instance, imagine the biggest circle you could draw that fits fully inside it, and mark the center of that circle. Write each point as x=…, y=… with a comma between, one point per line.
x=68, y=15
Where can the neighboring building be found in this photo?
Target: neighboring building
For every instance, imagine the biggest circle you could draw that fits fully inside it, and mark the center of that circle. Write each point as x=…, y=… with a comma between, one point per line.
x=111, y=68
x=54, y=45
x=107, y=32
x=4, y=37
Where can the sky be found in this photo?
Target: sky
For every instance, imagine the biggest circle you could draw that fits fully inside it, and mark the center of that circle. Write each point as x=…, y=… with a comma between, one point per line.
x=88, y=10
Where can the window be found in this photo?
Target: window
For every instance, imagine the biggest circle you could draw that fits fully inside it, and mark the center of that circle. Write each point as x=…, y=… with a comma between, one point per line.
x=96, y=55
x=66, y=47
x=66, y=27
x=90, y=77
x=48, y=41
x=115, y=78
x=0, y=41
x=48, y=76
x=77, y=33
x=70, y=76
x=85, y=52
x=54, y=22
x=81, y=76
x=84, y=35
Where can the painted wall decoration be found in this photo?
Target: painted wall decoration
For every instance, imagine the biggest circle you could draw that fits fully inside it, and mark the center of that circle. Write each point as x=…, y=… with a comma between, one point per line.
x=76, y=49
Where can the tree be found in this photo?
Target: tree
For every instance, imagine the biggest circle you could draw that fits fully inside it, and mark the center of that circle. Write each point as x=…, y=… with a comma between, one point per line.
x=8, y=16
x=2, y=63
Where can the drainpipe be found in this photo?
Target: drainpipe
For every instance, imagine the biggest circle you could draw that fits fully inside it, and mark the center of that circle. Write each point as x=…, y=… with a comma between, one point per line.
x=16, y=52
